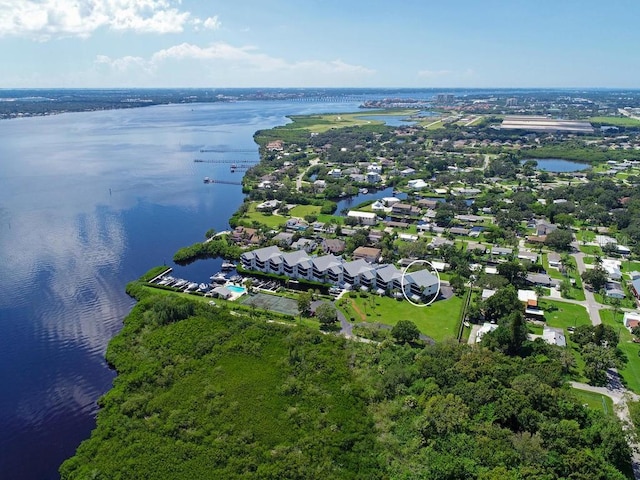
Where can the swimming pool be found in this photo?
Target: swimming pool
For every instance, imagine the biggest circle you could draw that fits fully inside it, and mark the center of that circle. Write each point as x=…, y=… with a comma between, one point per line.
x=237, y=289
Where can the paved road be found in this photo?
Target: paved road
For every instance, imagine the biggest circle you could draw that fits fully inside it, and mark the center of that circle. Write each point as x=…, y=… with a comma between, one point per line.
x=592, y=306
x=299, y=179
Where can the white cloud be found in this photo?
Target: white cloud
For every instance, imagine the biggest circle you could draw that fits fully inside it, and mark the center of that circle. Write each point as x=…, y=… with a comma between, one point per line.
x=212, y=23
x=44, y=19
x=222, y=64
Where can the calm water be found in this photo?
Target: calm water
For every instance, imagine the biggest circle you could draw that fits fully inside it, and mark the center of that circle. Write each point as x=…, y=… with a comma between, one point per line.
x=88, y=202
x=557, y=165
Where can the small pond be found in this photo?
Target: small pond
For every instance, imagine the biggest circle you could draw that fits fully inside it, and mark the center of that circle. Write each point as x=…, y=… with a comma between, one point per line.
x=558, y=165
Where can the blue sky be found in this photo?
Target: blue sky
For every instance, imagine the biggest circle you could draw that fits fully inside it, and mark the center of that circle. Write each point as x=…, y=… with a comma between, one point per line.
x=324, y=43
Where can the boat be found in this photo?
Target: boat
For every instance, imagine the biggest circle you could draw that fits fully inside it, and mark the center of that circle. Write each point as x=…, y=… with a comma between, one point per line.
x=192, y=286
x=363, y=190
x=203, y=287
x=207, y=180
x=227, y=266
x=180, y=283
x=219, y=277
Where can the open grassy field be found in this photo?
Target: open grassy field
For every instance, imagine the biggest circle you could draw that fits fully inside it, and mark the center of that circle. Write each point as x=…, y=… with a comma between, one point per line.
x=595, y=401
x=631, y=371
x=616, y=121
x=322, y=123
x=271, y=221
x=563, y=315
x=439, y=320
x=302, y=210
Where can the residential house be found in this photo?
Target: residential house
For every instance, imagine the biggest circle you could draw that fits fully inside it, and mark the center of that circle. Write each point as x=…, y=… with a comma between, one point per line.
x=501, y=251
x=525, y=255
x=306, y=244
x=333, y=245
x=544, y=228
x=373, y=177
x=407, y=172
x=635, y=287
x=335, y=173
x=554, y=260
x=296, y=225
x=268, y=205
x=378, y=206
x=631, y=320
x=405, y=209
x=245, y=236
x=554, y=336
x=437, y=242
x=428, y=203
x=364, y=218
x=284, y=239
x=374, y=168
x=459, y=231
x=541, y=279
x=369, y=254
x=418, y=184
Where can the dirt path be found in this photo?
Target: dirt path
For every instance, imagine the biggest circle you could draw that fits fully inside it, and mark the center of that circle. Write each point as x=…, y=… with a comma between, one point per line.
x=363, y=317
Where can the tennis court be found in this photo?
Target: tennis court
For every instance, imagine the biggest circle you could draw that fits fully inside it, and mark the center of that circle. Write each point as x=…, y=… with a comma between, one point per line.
x=272, y=302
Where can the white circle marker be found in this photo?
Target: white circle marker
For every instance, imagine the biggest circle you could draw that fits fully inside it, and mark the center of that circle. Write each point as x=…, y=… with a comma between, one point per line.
x=402, y=283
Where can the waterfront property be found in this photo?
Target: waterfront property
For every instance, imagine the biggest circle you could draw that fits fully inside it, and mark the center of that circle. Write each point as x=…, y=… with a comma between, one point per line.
x=380, y=278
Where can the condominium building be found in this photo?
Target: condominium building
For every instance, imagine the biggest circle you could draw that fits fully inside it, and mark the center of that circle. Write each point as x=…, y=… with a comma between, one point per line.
x=334, y=270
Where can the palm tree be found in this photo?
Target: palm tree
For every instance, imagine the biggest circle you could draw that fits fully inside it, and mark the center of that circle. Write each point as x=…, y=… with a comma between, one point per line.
x=567, y=264
x=539, y=291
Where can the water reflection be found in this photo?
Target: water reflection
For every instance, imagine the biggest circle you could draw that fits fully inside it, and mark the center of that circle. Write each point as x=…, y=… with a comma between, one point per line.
x=88, y=202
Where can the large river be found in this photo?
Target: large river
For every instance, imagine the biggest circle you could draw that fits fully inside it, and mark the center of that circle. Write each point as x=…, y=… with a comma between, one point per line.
x=88, y=202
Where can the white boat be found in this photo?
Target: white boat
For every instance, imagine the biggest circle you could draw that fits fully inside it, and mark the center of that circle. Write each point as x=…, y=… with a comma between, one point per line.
x=219, y=277
x=180, y=283
x=203, y=287
x=192, y=286
x=227, y=266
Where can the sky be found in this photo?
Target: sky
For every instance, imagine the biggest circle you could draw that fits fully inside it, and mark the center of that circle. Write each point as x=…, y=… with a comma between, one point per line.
x=319, y=43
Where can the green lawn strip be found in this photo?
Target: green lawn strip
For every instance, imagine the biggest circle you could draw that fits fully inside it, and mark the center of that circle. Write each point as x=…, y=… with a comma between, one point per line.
x=595, y=401
x=591, y=249
x=631, y=370
x=439, y=320
x=336, y=219
x=589, y=260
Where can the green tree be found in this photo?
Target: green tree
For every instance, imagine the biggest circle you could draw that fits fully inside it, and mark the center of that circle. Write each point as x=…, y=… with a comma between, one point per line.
x=304, y=303
x=596, y=277
x=326, y=314
x=559, y=239
x=513, y=272
x=597, y=360
x=502, y=303
x=405, y=331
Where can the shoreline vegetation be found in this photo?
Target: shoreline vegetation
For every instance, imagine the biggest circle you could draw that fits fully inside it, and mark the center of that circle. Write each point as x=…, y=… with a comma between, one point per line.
x=223, y=391
x=203, y=393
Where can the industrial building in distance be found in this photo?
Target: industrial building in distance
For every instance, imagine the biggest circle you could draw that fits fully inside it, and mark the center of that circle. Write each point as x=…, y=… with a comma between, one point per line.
x=544, y=124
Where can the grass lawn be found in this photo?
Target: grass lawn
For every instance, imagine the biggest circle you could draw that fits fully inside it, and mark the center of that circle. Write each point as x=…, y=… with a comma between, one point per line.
x=322, y=123
x=631, y=371
x=271, y=221
x=591, y=249
x=565, y=314
x=617, y=121
x=439, y=320
x=585, y=236
x=595, y=401
x=302, y=210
